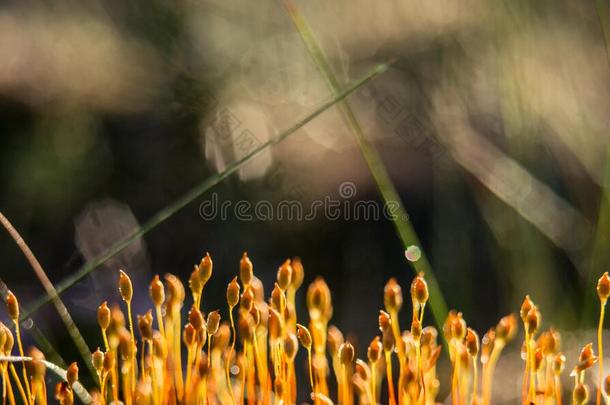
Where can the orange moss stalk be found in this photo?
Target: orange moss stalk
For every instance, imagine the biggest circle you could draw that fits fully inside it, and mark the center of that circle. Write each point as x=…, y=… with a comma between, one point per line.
x=603, y=292
x=12, y=306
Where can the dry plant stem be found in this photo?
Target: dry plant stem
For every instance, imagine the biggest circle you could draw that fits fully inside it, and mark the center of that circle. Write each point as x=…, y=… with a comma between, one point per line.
x=18, y=382
x=178, y=379
x=600, y=348
x=390, y=378
x=153, y=374
x=133, y=342
x=75, y=334
x=230, y=354
x=7, y=388
x=311, y=381
x=526, y=373
x=532, y=390
x=374, y=382
x=22, y=354
x=475, y=378
x=488, y=371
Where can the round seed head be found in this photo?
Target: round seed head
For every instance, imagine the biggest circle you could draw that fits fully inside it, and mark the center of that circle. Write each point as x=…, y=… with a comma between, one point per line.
x=278, y=299
x=284, y=275
x=189, y=335
x=385, y=322
x=108, y=361
x=205, y=268
x=586, y=358
x=416, y=329
x=203, y=366
x=196, y=318
x=507, y=328
x=221, y=339
x=36, y=366
x=298, y=273
x=61, y=393
x=458, y=327
x=157, y=291
x=159, y=349
x=603, y=287
x=145, y=325
x=429, y=336
x=97, y=359
x=419, y=291
x=346, y=353
x=247, y=299
x=580, y=395
x=12, y=306
x=532, y=321
x=72, y=374
x=559, y=363
x=392, y=296
x=195, y=283
x=233, y=293
x=319, y=301
x=274, y=324
x=363, y=370
x=125, y=287
x=201, y=337
x=335, y=340
x=472, y=342
x=447, y=324
x=304, y=336
x=549, y=341
x=117, y=318
x=374, y=351
x=291, y=346
x=525, y=308
x=258, y=288
x=246, y=270
x=9, y=342
x=256, y=315
x=245, y=326
x=175, y=289
x=213, y=322
x=387, y=338
x=103, y=315
x=2, y=337
x=126, y=345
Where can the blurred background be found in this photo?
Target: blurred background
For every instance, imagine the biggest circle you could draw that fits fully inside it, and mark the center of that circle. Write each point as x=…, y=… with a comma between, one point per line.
x=492, y=123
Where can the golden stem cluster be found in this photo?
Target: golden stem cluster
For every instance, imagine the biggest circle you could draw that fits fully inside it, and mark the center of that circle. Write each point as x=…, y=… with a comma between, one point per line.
x=252, y=357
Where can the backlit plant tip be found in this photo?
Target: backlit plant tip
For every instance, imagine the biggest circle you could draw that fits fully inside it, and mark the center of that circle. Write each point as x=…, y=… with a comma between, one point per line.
x=253, y=357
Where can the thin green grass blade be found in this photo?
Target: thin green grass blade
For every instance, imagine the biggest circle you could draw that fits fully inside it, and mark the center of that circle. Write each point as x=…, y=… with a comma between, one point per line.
x=201, y=188
x=78, y=388
x=403, y=225
x=600, y=257
x=73, y=331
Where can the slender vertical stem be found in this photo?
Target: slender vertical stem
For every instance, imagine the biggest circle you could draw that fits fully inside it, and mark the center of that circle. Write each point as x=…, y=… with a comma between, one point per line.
x=228, y=362
x=22, y=354
x=475, y=379
x=133, y=352
x=374, y=383
x=600, y=349
x=388, y=364
x=19, y=386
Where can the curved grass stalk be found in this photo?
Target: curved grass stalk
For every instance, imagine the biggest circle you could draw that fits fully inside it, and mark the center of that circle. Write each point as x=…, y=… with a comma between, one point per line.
x=79, y=390
x=388, y=192
x=167, y=212
x=73, y=331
